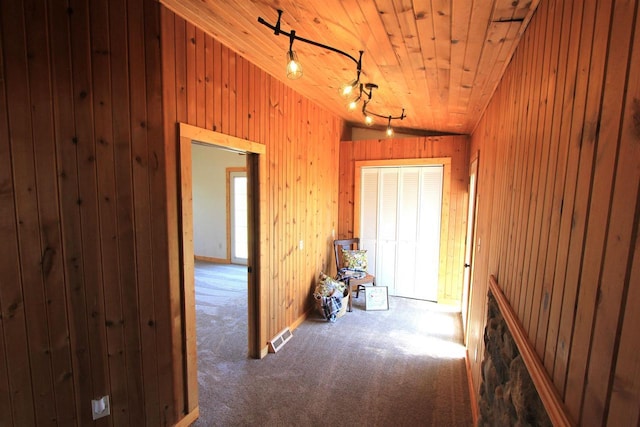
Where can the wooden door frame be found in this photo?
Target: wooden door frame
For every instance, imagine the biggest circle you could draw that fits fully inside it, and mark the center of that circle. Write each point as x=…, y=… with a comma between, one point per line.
x=257, y=197
x=445, y=162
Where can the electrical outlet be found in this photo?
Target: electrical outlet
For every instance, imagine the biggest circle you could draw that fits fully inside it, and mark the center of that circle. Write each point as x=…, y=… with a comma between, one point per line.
x=301, y=244
x=100, y=407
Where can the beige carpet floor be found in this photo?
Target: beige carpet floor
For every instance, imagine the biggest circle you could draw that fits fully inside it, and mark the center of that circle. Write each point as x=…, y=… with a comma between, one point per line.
x=401, y=367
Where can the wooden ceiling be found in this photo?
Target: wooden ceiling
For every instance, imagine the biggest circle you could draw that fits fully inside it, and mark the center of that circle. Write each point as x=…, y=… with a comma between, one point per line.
x=440, y=60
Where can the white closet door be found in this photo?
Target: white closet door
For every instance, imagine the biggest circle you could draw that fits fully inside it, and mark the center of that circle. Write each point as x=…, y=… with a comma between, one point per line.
x=369, y=225
x=387, y=218
x=400, y=228
x=428, y=253
x=408, y=204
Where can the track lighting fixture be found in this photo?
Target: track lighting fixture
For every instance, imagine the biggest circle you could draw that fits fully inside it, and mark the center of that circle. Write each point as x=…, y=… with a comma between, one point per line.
x=347, y=90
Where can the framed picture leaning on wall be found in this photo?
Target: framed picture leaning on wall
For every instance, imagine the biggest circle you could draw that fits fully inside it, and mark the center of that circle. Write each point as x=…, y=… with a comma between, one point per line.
x=376, y=298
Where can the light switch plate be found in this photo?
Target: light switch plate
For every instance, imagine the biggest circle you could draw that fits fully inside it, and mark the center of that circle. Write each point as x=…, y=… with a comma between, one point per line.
x=100, y=407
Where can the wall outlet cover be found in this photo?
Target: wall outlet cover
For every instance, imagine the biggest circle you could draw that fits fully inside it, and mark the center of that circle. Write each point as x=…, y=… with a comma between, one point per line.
x=100, y=407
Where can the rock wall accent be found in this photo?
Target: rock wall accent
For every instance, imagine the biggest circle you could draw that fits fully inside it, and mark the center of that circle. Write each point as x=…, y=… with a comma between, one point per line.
x=508, y=396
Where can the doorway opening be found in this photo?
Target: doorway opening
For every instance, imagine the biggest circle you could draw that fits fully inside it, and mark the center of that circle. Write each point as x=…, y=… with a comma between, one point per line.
x=256, y=236
x=219, y=207
x=212, y=172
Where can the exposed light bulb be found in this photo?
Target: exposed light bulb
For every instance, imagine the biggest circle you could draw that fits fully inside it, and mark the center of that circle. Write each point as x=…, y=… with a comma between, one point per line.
x=353, y=105
x=294, y=69
x=389, y=128
x=347, y=89
x=368, y=120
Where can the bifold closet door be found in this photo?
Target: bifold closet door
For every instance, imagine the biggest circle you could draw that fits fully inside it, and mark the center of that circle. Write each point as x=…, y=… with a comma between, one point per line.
x=400, y=227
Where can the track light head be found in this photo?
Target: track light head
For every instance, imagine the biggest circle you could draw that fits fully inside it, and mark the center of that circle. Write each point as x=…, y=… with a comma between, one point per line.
x=389, y=128
x=354, y=102
x=368, y=118
x=348, y=89
x=294, y=69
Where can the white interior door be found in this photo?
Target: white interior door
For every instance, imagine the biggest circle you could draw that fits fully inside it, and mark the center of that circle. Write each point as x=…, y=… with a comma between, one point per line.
x=400, y=218
x=407, y=284
x=469, y=245
x=369, y=229
x=387, y=225
x=429, y=231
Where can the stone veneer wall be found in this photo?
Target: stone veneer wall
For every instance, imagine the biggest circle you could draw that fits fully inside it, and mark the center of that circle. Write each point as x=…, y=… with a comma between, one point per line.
x=508, y=396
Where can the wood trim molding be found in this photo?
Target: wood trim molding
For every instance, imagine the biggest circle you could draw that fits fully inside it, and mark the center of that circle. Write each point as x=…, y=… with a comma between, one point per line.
x=194, y=133
x=211, y=259
x=189, y=419
x=472, y=392
x=187, y=279
x=550, y=397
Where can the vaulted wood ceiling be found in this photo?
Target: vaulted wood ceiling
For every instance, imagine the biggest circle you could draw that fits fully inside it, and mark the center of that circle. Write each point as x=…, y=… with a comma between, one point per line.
x=440, y=60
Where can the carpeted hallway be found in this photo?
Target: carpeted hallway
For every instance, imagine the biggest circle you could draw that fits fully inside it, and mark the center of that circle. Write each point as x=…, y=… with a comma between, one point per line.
x=402, y=367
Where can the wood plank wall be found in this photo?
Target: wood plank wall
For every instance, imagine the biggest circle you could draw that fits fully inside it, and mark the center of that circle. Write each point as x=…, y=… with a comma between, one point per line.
x=83, y=288
x=454, y=147
x=89, y=262
x=210, y=86
x=559, y=204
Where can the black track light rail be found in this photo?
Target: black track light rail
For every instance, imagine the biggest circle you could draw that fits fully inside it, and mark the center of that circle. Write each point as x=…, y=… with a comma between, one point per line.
x=367, y=89
x=400, y=117
x=293, y=36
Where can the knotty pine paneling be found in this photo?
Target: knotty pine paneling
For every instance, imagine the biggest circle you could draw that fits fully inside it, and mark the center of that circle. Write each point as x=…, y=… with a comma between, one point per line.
x=88, y=188
x=83, y=288
x=453, y=237
x=559, y=204
x=206, y=84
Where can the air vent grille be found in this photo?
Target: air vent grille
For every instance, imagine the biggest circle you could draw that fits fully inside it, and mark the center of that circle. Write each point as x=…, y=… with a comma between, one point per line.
x=279, y=340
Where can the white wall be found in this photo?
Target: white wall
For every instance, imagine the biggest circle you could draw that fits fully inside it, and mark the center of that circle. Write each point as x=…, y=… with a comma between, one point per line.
x=210, y=199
